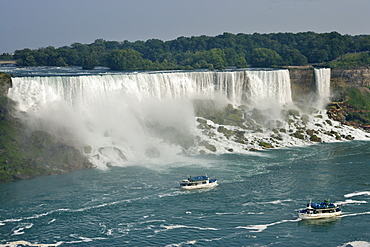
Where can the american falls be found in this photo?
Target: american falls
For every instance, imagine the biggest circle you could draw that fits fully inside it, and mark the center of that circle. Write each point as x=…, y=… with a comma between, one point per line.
x=119, y=119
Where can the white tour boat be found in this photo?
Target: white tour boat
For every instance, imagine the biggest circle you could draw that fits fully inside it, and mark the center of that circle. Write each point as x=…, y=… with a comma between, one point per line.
x=319, y=211
x=198, y=183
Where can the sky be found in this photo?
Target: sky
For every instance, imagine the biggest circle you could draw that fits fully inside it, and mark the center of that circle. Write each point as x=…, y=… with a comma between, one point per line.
x=41, y=23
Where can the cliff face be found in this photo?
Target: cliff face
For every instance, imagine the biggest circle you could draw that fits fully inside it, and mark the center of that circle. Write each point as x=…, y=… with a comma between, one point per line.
x=349, y=89
x=5, y=83
x=303, y=80
x=350, y=77
x=302, y=83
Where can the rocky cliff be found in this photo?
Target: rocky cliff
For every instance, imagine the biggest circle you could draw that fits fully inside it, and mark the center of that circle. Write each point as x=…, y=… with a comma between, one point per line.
x=359, y=77
x=302, y=82
x=349, y=90
x=25, y=153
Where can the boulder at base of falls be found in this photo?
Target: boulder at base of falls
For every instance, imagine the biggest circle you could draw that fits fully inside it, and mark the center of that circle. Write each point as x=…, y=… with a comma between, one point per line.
x=315, y=138
x=266, y=145
x=210, y=147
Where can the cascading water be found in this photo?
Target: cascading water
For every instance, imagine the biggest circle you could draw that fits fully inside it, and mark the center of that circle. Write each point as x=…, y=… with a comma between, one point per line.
x=322, y=79
x=272, y=87
x=123, y=118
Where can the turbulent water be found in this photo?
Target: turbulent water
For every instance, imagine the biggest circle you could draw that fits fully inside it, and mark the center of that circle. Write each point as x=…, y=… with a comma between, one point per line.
x=255, y=203
x=144, y=127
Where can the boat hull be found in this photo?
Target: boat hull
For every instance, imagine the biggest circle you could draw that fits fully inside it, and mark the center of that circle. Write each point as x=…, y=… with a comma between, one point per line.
x=199, y=186
x=305, y=216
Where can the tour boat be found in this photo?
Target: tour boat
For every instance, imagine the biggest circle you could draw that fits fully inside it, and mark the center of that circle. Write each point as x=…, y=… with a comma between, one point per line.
x=319, y=211
x=198, y=183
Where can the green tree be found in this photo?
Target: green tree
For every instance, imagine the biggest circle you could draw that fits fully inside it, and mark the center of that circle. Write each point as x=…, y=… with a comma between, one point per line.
x=69, y=55
x=25, y=57
x=233, y=59
x=293, y=57
x=216, y=57
x=263, y=57
x=6, y=57
x=226, y=50
x=60, y=62
x=89, y=61
x=317, y=56
x=127, y=59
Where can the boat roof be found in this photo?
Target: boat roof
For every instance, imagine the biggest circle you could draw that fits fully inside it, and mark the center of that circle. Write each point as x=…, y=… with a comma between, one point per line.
x=198, y=178
x=322, y=205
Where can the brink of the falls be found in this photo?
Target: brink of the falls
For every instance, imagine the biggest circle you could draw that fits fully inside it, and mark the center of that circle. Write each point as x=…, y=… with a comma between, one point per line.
x=118, y=119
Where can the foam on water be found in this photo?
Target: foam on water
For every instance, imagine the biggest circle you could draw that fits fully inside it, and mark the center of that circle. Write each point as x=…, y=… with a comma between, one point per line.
x=349, y=201
x=26, y=243
x=356, y=244
x=360, y=193
x=142, y=206
x=260, y=228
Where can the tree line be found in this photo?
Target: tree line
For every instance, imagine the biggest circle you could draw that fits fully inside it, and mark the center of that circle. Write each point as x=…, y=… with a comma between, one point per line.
x=201, y=52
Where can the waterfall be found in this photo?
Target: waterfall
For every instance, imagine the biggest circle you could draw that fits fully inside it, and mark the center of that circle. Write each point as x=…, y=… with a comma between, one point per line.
x=237, y=86
x=322, y=79
x=130, y=117
x=272, y=87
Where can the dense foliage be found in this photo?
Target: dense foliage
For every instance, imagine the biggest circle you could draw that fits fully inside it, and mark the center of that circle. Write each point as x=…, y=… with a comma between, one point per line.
x=201, y=52
x=351, y=60
x=6, y=56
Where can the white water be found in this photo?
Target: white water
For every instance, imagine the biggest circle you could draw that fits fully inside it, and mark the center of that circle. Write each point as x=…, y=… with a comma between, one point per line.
x=125, y=118
x=272, y=87
x=322, y=78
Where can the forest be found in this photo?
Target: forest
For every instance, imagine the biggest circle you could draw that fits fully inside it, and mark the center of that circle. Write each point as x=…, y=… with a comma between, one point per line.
x=205, y=52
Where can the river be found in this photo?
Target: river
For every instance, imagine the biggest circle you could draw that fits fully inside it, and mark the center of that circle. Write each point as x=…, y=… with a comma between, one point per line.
x=255, y=203
x=137, y=201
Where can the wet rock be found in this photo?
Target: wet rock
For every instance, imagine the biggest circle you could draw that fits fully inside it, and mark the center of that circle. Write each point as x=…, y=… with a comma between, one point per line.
x=315, y=138
x=19, y=175
x=258, y=116
x=203, y=124
x=329, y=122
x=349, y=137
x=299, y=134
x=305, y=119
x=87, y=149
x=210, y=147
x=225, y=131
x=277, y=137
x=293, y=112
x=113, y=153
x=266, y=145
